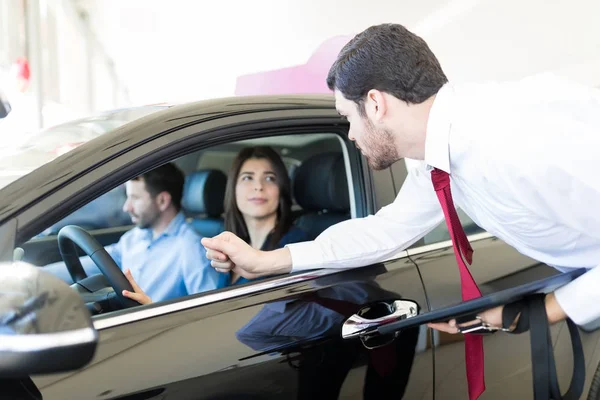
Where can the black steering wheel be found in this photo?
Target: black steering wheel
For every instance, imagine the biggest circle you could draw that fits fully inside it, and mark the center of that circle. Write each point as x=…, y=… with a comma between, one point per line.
x=69, y=238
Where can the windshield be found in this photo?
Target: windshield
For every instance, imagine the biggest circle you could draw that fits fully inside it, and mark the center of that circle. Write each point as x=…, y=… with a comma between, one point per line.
x=42, y=147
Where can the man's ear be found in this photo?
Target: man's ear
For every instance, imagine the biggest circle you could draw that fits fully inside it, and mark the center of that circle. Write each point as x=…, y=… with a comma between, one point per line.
x=376, y=105
x=163, y=200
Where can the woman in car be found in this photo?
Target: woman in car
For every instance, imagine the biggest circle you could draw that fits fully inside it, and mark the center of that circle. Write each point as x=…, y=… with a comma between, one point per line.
x=258, y=202
x=258, y=205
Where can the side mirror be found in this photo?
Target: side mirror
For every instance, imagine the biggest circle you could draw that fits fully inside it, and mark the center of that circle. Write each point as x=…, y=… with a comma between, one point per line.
x=4, y=106
x=44, y=324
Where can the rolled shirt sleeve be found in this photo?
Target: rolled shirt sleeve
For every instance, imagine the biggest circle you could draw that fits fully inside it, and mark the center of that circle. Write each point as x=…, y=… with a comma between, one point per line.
x=574, y=182
x=580, y=298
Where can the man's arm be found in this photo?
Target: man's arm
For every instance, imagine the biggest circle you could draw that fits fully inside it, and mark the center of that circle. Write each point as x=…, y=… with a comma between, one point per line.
x=580, y=299
x=558, y=182
x=566, y=190
x=351, y=243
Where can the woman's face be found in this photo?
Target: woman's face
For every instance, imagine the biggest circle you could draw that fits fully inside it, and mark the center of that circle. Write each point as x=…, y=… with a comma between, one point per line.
x=256, y=190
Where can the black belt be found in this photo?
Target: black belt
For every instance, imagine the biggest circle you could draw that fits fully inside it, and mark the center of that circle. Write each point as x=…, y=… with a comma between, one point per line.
x=534, y=318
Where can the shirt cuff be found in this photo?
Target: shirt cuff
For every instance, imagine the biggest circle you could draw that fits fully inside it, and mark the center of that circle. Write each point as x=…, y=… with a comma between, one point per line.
x=580, y=298
x=305, y=255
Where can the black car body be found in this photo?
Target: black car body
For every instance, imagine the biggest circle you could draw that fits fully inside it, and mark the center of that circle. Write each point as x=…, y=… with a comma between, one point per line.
x=274, y=338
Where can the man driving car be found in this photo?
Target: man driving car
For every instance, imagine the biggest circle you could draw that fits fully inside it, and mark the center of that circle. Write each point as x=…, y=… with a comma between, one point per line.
x=163, y=252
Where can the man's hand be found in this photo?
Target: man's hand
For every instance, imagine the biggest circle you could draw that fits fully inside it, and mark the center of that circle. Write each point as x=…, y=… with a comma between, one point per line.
x=494, y=317
x=139, y=294
x=228, y=252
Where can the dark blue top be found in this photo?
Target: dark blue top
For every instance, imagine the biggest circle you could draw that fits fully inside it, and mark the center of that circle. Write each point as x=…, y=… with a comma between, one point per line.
x=293, y=235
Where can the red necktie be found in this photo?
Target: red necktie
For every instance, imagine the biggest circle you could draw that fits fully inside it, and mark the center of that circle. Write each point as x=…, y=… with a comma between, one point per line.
x=469, y=289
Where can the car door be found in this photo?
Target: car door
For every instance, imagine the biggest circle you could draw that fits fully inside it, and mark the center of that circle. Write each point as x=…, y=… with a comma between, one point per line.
x=496, y=266
x=277, y=338
x=270, y=340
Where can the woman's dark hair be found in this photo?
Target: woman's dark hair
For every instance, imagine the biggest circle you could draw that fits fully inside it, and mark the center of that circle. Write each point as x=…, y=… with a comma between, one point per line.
x=388, y=58
x=234, y=221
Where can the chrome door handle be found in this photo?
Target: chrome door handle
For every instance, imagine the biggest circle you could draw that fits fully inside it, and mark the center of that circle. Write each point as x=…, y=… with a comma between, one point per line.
x=369, y=318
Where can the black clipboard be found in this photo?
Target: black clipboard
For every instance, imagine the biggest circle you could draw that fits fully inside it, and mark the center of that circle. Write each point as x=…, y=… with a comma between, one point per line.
x=472, y=307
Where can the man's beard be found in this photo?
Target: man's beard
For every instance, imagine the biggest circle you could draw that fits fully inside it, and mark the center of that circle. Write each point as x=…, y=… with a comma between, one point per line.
x=143, y=224
x=379, y=147
x=146, y=220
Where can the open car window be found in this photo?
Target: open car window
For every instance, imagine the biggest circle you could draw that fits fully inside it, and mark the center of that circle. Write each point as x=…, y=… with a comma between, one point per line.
x=319, y=159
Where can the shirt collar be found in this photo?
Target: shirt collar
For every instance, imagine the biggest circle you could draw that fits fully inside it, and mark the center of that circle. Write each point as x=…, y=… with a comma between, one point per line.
x=437, y=149
x=175, y=225
x=172, y=229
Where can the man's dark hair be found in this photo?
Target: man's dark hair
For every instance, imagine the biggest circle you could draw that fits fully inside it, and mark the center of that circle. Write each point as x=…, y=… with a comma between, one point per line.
x=388, y=58
x=166, y=178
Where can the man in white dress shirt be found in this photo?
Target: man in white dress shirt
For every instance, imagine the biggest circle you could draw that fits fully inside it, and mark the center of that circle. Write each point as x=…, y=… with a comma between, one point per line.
x=522, y=160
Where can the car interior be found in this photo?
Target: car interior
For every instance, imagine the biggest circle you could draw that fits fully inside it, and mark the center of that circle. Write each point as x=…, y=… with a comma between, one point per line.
x=315, y=163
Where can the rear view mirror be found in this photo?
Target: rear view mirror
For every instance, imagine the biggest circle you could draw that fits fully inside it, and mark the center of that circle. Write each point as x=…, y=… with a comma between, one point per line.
x=44, y=324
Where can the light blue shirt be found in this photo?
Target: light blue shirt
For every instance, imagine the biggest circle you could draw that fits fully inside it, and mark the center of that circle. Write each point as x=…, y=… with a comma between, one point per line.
x=172, y=265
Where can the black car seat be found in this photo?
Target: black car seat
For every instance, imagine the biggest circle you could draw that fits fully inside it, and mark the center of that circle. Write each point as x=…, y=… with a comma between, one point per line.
x=202, y=201
x=320, y=187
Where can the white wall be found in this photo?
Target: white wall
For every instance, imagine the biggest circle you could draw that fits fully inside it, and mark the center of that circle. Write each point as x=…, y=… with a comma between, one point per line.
x=71, y=75
x=511, y=38
x=186, y=50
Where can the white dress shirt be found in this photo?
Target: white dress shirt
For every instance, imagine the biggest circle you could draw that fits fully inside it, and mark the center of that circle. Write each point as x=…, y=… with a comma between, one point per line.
x=522, y=158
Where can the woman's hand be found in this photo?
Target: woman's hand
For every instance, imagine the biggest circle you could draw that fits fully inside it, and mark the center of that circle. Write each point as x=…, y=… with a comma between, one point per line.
x=139, y=294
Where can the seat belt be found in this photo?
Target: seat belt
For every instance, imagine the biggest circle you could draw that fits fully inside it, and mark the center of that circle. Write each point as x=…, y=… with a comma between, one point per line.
x=534, y=318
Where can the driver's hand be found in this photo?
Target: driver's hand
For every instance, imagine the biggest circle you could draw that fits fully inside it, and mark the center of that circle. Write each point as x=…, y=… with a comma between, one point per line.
x=139, y=294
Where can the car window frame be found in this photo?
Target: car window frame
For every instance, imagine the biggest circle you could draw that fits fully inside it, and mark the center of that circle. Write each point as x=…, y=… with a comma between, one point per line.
x=8, y=234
